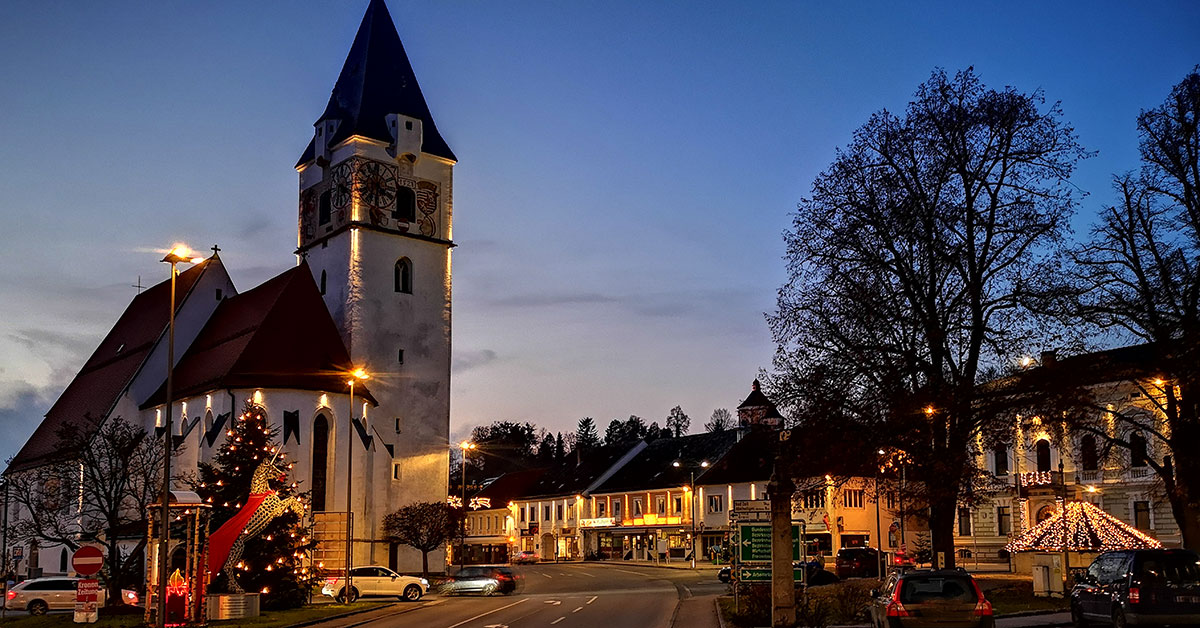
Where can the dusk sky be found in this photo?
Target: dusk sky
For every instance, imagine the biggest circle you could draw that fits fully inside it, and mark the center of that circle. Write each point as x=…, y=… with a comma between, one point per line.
x=626, y=168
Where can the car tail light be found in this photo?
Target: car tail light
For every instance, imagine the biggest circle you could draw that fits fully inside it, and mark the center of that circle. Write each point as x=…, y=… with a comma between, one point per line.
x=132, y=597
x=1135, y=595
x=983, y=608
x=12, y=594
x=895, y=608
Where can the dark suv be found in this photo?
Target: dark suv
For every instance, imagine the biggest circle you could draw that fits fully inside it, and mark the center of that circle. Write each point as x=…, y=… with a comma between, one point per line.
x=857, y=562
x=1139, y=587
x=925, y=598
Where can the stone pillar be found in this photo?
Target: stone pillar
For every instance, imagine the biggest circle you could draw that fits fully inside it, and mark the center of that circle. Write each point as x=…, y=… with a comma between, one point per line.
x=783, y=591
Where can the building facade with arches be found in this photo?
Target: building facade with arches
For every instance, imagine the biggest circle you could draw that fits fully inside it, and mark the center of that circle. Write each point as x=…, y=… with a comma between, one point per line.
x=1039, y=466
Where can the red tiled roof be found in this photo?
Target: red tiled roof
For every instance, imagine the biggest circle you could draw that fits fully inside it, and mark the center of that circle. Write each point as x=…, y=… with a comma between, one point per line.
x=277, y=335
x=89, y=397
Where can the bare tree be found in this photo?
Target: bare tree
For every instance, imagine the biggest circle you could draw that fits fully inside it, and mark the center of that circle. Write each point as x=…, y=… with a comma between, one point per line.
x=100, y=491
x=908, y=266
x=425, y=526
x=1140, y=274
x=720, y=420
x=678, y=422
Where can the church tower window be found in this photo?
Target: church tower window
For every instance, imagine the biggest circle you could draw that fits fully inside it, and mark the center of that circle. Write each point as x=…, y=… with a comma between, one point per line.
x=406, y=204
x=325, y=208
x=404, y=275
x=322, y=282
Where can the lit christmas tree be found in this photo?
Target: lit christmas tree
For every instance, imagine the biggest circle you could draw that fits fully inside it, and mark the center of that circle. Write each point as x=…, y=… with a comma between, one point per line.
x=274, y=562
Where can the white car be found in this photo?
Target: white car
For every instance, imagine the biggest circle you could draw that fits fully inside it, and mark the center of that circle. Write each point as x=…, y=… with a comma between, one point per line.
x=376, y=581
x=52, y=594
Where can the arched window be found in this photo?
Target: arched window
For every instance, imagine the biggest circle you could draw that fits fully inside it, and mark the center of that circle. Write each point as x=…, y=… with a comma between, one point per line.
x=1137, y=450
x=1043, y=455
x=404, y=275
x=320, y=455
x=208, y=421
x=1087, y=453
x=322, y=282
x=406, y=205
x=62, y=561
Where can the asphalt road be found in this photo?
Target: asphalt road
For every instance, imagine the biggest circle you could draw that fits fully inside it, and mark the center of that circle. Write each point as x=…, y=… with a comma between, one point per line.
x=564, y=596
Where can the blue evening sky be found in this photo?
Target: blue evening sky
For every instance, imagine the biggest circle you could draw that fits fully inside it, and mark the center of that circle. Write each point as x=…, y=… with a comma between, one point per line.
x=626, y=168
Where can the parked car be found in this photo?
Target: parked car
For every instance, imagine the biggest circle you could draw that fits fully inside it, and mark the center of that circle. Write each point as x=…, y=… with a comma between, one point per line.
x=857, y=562
x=51, y=594
x=482, y=580
x=1139, y=587
x=930, y=599
x=376, y=581
x=525, y=556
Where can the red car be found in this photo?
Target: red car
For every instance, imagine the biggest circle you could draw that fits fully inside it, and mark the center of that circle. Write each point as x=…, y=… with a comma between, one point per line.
x=857, y=562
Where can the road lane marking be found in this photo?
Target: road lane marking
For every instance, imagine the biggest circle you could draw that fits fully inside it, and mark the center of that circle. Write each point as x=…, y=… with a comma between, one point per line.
x=636, y=573
x=554, y=602
x=494, y=610
x=590, y=575
x=577, y=610
x=558, y=620
x=593, y=599
x=544, y=575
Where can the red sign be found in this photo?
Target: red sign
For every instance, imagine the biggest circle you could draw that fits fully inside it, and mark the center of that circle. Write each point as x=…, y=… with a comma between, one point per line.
x=87, y=593
x=87, y=560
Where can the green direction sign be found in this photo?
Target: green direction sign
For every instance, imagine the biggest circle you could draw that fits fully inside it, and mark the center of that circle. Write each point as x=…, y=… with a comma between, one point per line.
x=762, y=574
x=754, y=543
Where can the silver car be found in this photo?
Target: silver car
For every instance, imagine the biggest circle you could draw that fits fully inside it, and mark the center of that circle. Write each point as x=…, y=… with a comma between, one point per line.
x=40, y=595
x=375, y=581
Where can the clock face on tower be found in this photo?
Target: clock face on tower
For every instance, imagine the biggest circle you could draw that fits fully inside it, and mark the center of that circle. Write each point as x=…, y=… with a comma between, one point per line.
x=379, y=193
x=376, y=189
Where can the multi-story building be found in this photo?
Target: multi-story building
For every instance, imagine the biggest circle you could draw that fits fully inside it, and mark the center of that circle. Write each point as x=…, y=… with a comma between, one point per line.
x=491, y=526
x=1038, y=468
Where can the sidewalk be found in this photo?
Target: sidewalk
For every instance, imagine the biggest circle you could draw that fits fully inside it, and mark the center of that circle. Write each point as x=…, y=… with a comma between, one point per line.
x=677, y=564
x=697, y=612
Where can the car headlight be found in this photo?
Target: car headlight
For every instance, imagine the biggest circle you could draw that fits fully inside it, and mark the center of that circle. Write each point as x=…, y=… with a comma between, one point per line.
x=424, y=583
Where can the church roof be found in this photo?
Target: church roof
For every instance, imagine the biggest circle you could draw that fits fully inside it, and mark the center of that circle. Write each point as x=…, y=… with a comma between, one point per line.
x=376, y=80
x=94, y=391
x=756, y=398
x=277, y=335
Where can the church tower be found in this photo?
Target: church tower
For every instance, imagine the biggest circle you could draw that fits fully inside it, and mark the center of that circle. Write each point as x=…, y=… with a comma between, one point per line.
x=375, y=227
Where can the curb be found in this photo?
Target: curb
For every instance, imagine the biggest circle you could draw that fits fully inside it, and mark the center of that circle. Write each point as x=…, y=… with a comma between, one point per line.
x=720, y=615
x=1030, y=613
x=321, y=620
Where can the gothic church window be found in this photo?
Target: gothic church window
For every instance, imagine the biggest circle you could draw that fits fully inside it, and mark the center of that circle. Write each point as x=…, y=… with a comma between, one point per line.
x=320, y=455
x=406, y=205
x=403, y=275
x=322, y=282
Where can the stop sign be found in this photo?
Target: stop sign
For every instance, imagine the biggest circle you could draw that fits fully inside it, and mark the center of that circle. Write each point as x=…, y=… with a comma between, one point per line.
x=87, y=560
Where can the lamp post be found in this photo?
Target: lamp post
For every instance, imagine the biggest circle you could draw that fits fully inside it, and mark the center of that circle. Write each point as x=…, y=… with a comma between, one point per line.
x=178, y=253
x=692, y=499
x=357, y=375
x=465, y=446
x=878, y=525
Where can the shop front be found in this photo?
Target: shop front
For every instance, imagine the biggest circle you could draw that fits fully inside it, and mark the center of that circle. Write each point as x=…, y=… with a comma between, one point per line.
x=638, y=543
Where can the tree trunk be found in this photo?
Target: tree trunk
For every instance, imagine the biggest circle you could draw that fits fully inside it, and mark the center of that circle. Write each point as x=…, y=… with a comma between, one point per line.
x=425, y=564
x=941, y=530
x=1187, y=515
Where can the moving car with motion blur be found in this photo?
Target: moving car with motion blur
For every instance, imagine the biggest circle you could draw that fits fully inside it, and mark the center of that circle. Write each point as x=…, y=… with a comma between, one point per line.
x=857, y=562
x=525, y=557
x=1138, y=587
x=926, y=598
x=40, y=595
x=482, y=580
x=376, y=581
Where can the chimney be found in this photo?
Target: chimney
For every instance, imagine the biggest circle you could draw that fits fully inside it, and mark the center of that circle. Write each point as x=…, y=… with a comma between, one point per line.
x=1049, y=358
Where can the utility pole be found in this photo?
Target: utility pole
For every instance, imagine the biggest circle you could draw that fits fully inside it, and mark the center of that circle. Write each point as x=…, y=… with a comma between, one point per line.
x=783, y=588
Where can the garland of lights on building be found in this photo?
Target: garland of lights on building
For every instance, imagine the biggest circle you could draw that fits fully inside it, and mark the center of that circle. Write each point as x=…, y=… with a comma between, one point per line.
x=1088, y=529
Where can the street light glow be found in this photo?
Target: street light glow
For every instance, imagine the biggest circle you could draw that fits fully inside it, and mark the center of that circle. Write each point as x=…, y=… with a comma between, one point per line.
x=465, y=445
x=1026, y=362
x=929, y=410
x=675, y=464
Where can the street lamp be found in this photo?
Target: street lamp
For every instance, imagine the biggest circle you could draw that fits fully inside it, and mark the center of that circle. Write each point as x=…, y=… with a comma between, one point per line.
x=465, y=446
x=178, y=254
x=692, y=499
x=357, y=375
x=878, y=526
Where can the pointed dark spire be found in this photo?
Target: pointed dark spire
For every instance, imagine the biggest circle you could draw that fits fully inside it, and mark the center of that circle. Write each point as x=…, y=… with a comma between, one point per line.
x=376, y=80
